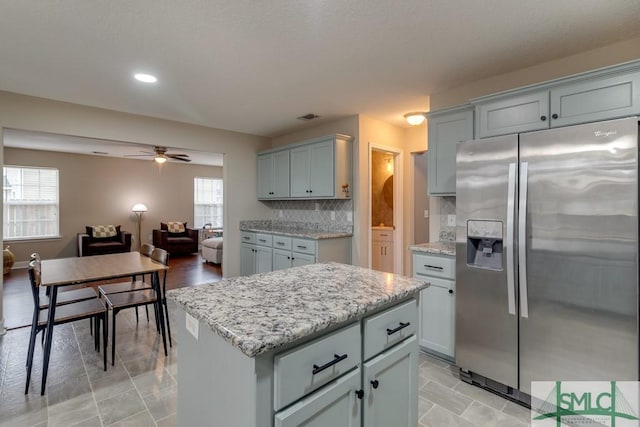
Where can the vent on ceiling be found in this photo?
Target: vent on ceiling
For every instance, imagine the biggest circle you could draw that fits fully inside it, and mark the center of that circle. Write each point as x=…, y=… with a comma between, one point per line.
x=308, y=117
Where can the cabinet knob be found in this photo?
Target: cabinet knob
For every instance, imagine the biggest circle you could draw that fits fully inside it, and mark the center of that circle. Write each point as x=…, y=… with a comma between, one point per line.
x=543, y=118
x=554, y=116
x=450, y=291
x=375, y=383
x=360, y=394
x=310, y=191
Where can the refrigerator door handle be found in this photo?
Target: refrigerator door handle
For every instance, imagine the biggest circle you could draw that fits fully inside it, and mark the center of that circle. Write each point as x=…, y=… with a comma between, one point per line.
x=522, y=241
x=511, y=204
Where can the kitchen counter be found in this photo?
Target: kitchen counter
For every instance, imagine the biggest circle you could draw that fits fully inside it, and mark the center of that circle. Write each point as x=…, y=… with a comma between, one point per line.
x=292, y=229
x=262, y=312
x=440, y=248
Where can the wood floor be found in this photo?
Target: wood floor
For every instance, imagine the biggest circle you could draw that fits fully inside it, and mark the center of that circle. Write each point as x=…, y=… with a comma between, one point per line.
x=187, y=270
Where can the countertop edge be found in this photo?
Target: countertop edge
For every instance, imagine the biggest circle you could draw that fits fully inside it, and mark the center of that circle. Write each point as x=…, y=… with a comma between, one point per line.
x=314, y=235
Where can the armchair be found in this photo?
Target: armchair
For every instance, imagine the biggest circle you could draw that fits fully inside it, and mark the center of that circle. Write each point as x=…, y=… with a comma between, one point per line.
x=176, y=242
x=99, y=243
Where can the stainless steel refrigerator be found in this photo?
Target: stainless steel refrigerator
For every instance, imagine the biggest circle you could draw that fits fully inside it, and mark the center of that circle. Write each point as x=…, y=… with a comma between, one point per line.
x=547, y=256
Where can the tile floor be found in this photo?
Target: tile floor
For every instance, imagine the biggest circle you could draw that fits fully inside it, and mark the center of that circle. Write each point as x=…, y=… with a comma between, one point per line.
x=141, y=389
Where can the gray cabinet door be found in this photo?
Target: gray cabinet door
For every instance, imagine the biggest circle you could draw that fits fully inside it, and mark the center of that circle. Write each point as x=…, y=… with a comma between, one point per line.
x=437, y=317
x=445, y=132
x=281, y=259
x=265, y=176
x=390, y=384
x=599, y=99
x=281, y=180
x=264, y=257
x=247, y=259
x=300, y=163
x=321, y=171
x=513, y=114
x=334, y=405
x=302, y=259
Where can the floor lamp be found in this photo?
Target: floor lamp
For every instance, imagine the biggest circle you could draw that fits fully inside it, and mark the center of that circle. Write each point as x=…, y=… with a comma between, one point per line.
x=139, y=209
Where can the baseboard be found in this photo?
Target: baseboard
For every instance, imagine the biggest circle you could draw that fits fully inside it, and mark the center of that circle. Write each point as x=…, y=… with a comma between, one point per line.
x=20, y=265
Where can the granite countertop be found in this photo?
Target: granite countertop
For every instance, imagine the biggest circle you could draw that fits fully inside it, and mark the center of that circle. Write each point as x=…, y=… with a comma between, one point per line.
x=262, y=312
x=296, y=232
x=440, y=248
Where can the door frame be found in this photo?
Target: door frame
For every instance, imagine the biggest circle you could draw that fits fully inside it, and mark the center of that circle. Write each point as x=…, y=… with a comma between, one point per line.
x=398, y=211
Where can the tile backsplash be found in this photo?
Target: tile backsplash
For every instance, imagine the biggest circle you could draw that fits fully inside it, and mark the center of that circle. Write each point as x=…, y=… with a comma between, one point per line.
x=447, y=207
x=316, y=212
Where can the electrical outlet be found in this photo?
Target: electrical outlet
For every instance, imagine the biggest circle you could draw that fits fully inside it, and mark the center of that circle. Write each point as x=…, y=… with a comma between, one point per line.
x=349, y=216
x=317, y=207
x=333, y=215
x=426, y=213
x=451, y=220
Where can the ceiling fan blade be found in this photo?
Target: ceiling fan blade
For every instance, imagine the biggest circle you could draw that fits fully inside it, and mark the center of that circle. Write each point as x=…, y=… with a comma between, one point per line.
x=176, y=157
x=138, y=155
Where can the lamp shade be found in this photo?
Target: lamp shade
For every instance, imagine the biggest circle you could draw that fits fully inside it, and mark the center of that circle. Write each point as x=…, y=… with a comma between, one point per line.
x=139, y=207
x=415, y=118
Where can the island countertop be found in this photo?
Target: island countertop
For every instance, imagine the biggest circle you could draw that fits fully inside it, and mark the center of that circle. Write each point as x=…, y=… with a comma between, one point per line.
x=261, y=312
x=440, y=248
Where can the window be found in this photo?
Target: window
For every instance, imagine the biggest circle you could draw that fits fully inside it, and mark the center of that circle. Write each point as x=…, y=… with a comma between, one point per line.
x=31, y=205
x=207, y=202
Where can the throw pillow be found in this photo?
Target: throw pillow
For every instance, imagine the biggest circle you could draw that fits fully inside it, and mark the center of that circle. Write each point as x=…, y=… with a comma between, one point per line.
x=104, y=233
x=175, y=225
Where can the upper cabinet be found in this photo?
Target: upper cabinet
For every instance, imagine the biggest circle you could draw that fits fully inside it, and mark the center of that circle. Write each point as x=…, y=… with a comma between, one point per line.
x=314, y=169
x=273, y=175
x=447, y=128
x=599, y=95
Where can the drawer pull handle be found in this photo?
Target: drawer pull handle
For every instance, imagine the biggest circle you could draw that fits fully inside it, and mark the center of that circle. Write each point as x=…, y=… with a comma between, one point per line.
x=262, y=240
x=375, y=384
x=335, y=360
x=360, y=394
x=301, y=247
x=433, y=267
x=402, y=326
x=280, y=243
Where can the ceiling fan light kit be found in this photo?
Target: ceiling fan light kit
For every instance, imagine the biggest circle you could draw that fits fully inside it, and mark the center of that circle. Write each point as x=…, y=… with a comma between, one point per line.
x=160, y=155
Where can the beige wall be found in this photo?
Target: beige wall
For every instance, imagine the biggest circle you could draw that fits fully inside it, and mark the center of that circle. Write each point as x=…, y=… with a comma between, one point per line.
x=37, y=114
x=616, y=53
x=101, y=190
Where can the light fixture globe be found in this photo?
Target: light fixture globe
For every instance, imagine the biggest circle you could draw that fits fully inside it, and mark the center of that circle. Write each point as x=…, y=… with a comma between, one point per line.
x=138, y=207
x=415, y=118
x=160, y=158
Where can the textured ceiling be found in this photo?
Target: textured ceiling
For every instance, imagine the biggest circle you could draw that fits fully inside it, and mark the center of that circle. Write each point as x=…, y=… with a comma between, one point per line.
x=253, y=66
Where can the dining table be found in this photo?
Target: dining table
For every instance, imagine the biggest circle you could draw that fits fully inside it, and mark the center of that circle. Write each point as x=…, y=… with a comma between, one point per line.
x=59, y=272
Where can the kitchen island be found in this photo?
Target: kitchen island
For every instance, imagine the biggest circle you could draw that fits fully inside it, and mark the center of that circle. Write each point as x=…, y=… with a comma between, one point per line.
x=332, y=343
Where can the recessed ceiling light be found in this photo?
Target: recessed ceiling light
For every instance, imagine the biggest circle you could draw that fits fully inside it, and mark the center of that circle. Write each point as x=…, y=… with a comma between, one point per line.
x=145, y=78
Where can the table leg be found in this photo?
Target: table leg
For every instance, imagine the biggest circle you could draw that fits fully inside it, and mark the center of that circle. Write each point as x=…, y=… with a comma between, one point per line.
x=156, y=280
x=49, y=337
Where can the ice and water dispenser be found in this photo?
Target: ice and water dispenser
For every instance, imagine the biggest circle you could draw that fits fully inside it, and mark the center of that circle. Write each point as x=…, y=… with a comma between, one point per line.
x=484, y=244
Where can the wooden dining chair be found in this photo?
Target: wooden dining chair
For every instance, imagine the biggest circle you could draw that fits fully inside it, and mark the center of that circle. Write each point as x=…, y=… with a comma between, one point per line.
x=133, y=285
x=65, y=313
x=64, y=297
x=123, y=300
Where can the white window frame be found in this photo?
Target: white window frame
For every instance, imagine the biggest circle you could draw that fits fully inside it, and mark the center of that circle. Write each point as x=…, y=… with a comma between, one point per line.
x=214, y=204
x=11, y=220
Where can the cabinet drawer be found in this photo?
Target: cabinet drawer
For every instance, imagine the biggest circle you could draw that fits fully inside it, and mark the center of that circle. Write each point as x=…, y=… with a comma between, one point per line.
x=304, y=246
x=281, y=242
x=264, y=239
x=382, y=235
x=301, y=370
x=247, y=237
x=386, y=329
x=425, y=266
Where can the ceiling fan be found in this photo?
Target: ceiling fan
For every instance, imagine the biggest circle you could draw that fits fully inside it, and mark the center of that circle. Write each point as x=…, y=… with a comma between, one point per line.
x=160, y=155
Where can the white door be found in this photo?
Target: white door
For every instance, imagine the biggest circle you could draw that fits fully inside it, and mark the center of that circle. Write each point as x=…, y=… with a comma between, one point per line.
x=265, y=176
x=281, y=178
x=281, y=259
x=321, y=171
x=300, y=158
x=264, y=257
x=302, y=259
x=437, y=318
x=247, y=259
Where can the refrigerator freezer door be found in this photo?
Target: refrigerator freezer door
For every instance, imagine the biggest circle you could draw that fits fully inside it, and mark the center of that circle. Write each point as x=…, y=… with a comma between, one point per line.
x=486, y=331
x=581, y=254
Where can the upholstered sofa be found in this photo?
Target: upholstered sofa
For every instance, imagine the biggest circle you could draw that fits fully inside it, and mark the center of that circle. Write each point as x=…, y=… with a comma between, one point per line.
x=185, y=242
x=91, y=243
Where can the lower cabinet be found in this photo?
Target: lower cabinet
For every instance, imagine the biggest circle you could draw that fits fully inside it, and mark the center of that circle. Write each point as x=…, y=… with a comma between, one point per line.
x=265, y=252
x=437, y=303
x=337, y=404
x=388, y=381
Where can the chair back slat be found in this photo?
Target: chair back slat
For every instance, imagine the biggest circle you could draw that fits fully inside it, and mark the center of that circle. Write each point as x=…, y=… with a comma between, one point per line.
x=146, y=249
x=160, y=255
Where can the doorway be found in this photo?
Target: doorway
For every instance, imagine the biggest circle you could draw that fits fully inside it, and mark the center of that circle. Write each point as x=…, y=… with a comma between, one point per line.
x=385, y=209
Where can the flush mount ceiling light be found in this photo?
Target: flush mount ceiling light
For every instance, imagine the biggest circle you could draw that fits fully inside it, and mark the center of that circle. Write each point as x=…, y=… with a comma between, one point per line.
x=145, y=78
x=415, y=118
